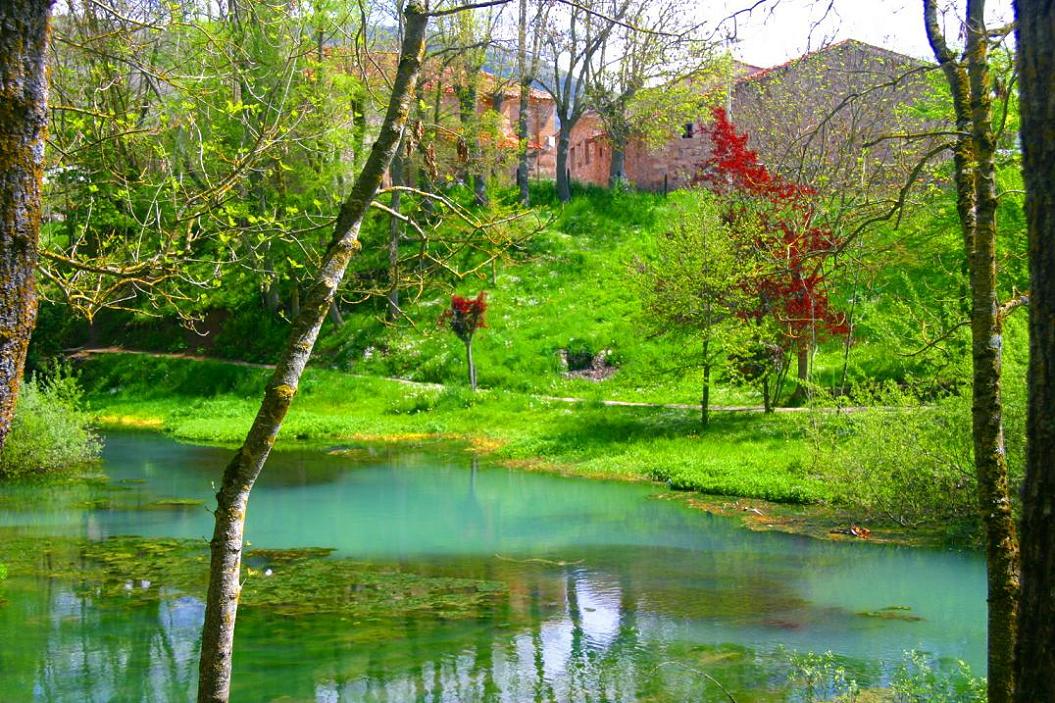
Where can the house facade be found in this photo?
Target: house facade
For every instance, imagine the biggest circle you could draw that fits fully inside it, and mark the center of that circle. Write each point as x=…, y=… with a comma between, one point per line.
x=826, y=118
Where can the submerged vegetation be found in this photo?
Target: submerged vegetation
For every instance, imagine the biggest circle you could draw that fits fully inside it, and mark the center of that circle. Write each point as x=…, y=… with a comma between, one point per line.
x=286, y=582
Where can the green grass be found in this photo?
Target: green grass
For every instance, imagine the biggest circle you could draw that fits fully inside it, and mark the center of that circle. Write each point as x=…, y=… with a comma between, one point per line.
x=573, y=285
x=747, y=455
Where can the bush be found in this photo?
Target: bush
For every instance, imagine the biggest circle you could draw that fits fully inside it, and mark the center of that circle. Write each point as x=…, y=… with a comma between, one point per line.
x=252, y=334
x=49, y=432
x=821, y=677
x=813, y=678
x=919, y=680
x=905, y=461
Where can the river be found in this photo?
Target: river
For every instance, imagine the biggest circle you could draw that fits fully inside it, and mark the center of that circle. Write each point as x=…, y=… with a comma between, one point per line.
x=612, y=592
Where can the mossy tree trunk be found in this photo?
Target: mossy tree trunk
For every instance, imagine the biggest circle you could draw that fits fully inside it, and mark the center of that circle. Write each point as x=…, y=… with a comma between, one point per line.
x=395, y=233
x=241, y=473
x=990, y=455
x=1035, y=648
x=971, y=87
x=24, y=26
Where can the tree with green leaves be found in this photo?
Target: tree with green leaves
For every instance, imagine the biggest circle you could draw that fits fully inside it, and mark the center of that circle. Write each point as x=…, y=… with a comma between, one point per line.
x=969, y=77
x=653, y=76
x=692, y=286
x=214, y=673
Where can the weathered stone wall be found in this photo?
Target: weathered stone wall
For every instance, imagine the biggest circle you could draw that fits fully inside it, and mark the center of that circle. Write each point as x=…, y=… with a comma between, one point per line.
x=590, y=155
x=819, y=120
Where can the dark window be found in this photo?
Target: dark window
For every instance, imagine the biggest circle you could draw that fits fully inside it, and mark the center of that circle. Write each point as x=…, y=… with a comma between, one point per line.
x=588, y=153
x=690, y=130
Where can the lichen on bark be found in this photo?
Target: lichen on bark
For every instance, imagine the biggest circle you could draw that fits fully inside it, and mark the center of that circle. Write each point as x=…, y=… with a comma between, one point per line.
x=23, y=123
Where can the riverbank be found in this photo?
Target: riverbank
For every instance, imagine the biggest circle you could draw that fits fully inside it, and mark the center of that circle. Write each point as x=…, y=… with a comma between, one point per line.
x=760, y=468
x=743, y=455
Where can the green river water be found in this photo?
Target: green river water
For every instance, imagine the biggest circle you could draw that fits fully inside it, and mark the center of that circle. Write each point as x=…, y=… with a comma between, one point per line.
x=606, y=592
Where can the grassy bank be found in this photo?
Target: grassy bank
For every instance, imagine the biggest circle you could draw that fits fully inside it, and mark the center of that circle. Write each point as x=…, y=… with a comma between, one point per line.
x=571, y=289
x=747, y=455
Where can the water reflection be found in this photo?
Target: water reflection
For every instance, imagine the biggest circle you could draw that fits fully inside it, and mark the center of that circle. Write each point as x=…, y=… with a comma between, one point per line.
x=567, y=637
x=612, y=595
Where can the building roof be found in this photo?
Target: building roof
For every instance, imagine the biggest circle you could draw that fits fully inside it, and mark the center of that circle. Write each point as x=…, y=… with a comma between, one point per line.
x=764, y=73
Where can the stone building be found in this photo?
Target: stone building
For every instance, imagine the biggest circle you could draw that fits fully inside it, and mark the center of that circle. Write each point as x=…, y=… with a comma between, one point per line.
x=827, y=118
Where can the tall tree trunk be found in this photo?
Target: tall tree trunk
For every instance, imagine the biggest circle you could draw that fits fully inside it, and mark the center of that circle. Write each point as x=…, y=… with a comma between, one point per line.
x=975, y=174
x=563, y=175
x=986, y=350
x=524, y=98
x=705, y=397
x=617, y=168
x=523, y=175
x=1035, y=648
x=470, y=363
x=394, y=234
x=214, y=672
x=24, y=27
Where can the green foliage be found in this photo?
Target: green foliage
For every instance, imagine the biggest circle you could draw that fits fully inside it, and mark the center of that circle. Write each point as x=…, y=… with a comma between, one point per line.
x=690, y=285
x=215, y=178
x=743, y=455
x=149, y=377
x=919, y=681
x=50, y=431
x=253, y=334
x=817, y=678
x=823, y=678
x=905, y=461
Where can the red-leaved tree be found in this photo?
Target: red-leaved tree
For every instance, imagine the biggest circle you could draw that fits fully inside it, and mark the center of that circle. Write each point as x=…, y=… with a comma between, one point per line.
x=464, y=317
x=775, y=220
